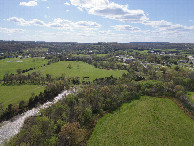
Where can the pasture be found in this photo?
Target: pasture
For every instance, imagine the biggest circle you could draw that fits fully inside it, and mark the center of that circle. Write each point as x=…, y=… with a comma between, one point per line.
x=78, y=69
x=14, y=94
x=148, y=121
x=10, y=65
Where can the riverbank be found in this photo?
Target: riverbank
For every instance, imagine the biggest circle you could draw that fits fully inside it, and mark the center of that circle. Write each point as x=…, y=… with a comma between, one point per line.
x=12, y=127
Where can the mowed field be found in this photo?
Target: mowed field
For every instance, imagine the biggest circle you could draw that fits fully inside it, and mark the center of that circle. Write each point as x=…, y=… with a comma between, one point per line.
x=10, y=65
x=145, y=122
x=78, y=69
x=14, y=94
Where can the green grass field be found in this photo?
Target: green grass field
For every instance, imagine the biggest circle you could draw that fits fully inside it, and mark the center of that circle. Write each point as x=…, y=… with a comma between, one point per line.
x=148, y=121
x=14, y=94
x=10, y=65
x=79, y=69
x=191, y=96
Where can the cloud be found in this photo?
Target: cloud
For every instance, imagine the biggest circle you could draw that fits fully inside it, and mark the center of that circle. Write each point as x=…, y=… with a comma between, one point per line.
x=88, y=24
x=89, y=3
x=57, y=23
x=29, y=4
x=160, y=24
x=79, y=8
x=126, y=28
x=119, y=12
x=169, y=26
x=11, y=30
x=22, y=22
x=67, y=4
x=37, y=22
x=115, y=11
x=107, y=33
x=19, y=21
x=61, y=24
x=111, y=10
x=69, y=25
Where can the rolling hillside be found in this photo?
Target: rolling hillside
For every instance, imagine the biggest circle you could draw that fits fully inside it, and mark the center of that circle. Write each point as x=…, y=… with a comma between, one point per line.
x=148, y=121
x=78, y=69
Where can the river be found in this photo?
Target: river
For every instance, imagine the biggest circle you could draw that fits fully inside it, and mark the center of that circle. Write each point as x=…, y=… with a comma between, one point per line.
x=12, y=127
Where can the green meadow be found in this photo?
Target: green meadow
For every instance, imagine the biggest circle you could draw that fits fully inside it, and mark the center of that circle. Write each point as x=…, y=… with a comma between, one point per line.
x=10, y=65
x=14, y=94
x=78, y=69
x=147, y=121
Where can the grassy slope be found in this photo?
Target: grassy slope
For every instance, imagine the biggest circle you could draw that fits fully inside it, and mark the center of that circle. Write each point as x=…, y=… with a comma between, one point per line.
x=148, y=121
x=11, y=67
x=79, y=69
x=14, y=94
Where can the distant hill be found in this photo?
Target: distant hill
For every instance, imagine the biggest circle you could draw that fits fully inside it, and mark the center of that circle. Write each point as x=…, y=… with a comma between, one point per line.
x=150, y=42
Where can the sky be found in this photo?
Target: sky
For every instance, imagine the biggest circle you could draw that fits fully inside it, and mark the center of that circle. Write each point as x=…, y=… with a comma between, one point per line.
x=88, y=21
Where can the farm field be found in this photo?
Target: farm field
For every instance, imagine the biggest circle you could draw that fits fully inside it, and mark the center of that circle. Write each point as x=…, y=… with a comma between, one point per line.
x=10, y=65
x=14, y=94
x=79, y=69
x=147, y=121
